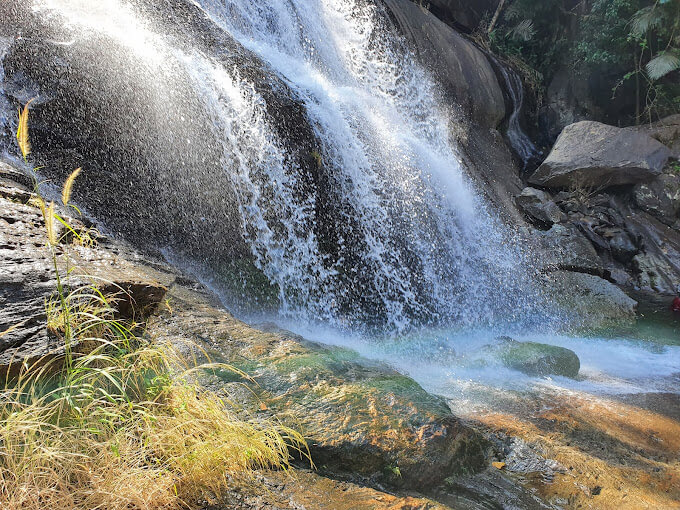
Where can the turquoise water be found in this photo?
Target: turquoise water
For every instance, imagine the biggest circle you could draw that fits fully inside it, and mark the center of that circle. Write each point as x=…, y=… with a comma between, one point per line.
x=458, y=364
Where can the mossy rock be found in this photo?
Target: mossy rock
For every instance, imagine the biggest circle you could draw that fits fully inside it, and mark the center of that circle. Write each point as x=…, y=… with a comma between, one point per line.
x=360, y=417
x=536, y=359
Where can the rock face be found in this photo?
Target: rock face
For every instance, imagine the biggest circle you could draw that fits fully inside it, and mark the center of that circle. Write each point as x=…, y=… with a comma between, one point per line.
x=27, y=277
x=566, y=248
x=594, y=303
x=660, y=198
x=666, y=131
x=539, y=208
x=463, y=70
x=156, y=178
x=459, y=13
x=594, y=155
x=538, y=359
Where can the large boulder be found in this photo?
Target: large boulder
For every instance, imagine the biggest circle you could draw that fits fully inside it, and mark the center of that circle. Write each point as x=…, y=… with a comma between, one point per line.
x=593, y=155
x=537, y=359
x=593, y=302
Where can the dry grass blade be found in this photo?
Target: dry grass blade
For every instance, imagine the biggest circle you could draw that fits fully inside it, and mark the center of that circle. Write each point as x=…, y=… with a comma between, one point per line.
x=68, y=186
x=48, y=214
x=22, y=131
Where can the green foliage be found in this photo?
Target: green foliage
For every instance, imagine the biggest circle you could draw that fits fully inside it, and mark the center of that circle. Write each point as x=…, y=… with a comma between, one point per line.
x=532, y=31
x=630, y=46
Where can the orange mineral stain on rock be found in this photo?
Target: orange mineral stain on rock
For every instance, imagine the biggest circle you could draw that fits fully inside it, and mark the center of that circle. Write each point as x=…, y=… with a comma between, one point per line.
x=615, y=455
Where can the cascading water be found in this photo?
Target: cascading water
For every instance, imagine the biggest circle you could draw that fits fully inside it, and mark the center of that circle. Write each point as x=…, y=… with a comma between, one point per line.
x=384, y=229
x=427, y=245
x=404, y=239
x=519, y=140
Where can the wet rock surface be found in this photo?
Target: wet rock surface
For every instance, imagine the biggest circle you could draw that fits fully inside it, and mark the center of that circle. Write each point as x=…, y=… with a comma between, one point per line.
x=28, y=281
x=463, y=70
x=360, y=417
x=599, y=302
x=586, y=451
x=538, y=359
x=594, y=155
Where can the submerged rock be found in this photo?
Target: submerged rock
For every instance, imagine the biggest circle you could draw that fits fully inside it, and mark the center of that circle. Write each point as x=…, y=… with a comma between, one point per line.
x=533, y=358
x=591, y=154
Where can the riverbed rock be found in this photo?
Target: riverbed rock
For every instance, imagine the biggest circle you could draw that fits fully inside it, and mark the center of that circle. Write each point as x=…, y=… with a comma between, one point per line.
x=539, y=208
x=359, y=416
x=593, y=155
x=538, y=359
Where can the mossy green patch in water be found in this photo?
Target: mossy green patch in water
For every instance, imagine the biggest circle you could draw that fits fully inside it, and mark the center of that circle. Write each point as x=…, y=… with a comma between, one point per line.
x=538, y=359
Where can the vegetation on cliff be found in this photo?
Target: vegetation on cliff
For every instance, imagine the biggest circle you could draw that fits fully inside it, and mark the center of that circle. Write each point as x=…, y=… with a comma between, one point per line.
x=626, y=49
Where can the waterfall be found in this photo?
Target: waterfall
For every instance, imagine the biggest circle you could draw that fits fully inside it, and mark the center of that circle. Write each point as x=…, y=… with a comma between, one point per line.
x=392, y=233
x=519, y=141
x=5, y=109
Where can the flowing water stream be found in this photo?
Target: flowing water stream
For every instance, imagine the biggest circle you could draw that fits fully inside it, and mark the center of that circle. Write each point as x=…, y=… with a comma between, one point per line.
x=417, y=244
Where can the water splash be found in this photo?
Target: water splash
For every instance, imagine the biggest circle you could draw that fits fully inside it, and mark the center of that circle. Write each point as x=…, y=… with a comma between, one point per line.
x=406, y=240
x=429, y=244
x=519, y=140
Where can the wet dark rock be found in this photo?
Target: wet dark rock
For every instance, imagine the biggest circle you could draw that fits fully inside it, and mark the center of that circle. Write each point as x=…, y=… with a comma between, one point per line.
x=594, y=155
x=459, y=13
x=538, y=359
x=539, y=208
x=621, y=245
x=462, y=69
x=153, y=167
x=27, y=278
x=660, y=198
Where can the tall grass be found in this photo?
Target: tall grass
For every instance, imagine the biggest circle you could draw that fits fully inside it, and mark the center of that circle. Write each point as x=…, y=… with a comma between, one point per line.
x=116, y=421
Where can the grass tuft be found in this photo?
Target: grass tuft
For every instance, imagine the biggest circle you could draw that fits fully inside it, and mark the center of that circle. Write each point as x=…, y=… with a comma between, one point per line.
x=116, y=421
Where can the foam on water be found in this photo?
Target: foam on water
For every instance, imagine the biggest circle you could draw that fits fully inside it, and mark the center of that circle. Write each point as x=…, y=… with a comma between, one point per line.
x=455, y=363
